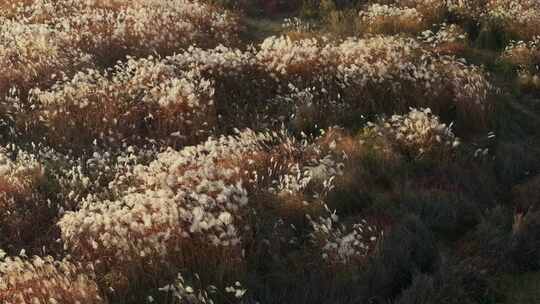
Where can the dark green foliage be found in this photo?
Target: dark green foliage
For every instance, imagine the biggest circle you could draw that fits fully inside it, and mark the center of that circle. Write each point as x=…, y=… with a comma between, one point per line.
x=369, y=185
x=300, y=277
x=421, y=291
x=492, y=36
x=407, y=250
x=451, y=284
x=524, y=245
x=443, y=212
x=493, y=231
x=517, y=153
x=258, y=8
x=515, y=161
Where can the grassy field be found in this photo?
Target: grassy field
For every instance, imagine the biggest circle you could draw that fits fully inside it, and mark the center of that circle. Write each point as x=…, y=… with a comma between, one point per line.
x=242, y=152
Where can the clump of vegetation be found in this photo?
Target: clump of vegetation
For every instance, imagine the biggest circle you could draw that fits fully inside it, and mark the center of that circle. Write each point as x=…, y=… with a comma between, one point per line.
x=45, y=280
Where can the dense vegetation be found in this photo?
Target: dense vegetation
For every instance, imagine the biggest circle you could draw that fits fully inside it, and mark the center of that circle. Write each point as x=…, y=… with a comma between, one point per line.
x=171, y=151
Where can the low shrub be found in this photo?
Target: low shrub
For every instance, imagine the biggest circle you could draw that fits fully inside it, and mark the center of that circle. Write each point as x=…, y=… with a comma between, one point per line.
x=46, y=280
x=407, y=250
x=450, y=284
x=447, y=214
x=26, y=216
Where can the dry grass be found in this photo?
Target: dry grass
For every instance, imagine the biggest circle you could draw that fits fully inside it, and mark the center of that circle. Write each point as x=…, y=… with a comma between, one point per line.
x=306, y=169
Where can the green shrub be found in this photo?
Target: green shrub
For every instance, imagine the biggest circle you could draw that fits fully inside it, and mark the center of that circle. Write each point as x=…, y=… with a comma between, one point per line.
x=452, y=284
x=492, y=234
x=492, y=36
x=450, y=214
x=409, y=249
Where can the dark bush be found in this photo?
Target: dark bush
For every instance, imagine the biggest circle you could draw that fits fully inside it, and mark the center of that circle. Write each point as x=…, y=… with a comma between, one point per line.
x=452, y=284
x=450, y=214
x=524, y=246
x=421, y=291
x=408, y=250
x=493, y=230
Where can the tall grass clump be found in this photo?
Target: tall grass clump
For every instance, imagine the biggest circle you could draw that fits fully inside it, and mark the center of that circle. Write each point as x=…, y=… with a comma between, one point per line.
x=139, y=100
x=112, y=30
x=46, y=280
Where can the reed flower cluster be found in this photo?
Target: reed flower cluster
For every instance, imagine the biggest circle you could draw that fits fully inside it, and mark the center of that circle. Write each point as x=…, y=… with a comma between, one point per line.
x=521, y=19
x=35, y=55
x=448, y=39
x=22, y=205
x=390, y=19
x=137, y=100
x=418, y=133
x=182, y=292
x=343, y=245
x=523, y=53
x=189, y=206
x=110, y=30
x=182, y=99
x=45, y=280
